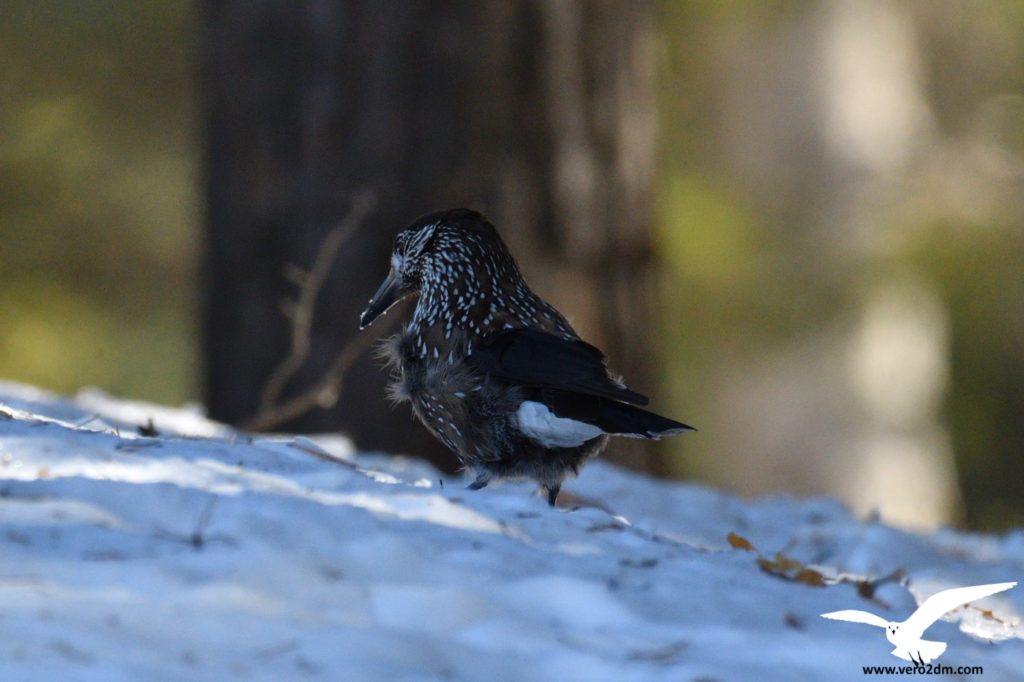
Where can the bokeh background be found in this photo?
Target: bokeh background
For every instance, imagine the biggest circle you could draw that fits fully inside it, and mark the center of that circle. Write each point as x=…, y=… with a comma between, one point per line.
x=836, y=220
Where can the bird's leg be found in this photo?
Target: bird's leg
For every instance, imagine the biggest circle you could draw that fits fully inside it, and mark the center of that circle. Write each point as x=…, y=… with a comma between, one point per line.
x=481, y=482
x=553, y=493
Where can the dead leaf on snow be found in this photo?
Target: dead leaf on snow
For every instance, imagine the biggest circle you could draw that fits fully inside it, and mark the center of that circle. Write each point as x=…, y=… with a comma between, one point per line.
x=739, y=542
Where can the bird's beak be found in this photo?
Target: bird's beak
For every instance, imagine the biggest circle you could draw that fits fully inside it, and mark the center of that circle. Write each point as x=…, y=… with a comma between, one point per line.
x=389, y=293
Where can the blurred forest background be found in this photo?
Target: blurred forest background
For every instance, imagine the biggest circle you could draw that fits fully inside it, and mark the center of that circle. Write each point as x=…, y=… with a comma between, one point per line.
x=836, y=283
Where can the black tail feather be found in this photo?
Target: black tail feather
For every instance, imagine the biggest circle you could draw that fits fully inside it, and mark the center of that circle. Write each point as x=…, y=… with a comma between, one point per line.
x=627, y=420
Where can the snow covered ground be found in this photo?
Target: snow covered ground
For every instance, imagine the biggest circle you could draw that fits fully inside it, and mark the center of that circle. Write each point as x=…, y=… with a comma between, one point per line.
x=202, y=554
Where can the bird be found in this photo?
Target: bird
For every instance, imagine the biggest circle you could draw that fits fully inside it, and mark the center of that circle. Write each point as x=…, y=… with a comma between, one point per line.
x=493, y=371
x=907, y=635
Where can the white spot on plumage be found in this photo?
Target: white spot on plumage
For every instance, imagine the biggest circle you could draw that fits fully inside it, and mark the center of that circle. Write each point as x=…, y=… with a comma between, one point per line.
x=538, y=422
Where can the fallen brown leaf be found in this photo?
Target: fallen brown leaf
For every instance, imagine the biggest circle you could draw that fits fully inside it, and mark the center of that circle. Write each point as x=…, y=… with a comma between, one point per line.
x=739, y=542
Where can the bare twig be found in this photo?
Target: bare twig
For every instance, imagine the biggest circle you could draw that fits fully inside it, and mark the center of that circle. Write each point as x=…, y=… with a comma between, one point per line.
x=198, y=538
x=301, y=310
x=326, y=391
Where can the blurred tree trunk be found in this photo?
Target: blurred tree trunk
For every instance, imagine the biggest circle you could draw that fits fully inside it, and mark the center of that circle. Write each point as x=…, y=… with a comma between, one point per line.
x=538, y=113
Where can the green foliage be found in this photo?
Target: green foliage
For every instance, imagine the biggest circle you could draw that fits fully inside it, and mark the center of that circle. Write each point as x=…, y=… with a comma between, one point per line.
x=98, y=196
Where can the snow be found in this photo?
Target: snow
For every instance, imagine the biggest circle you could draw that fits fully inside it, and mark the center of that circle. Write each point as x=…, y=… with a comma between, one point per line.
x=206, y=554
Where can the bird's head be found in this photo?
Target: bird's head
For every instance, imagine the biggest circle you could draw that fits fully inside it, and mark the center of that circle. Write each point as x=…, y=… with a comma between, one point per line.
x=436, y=248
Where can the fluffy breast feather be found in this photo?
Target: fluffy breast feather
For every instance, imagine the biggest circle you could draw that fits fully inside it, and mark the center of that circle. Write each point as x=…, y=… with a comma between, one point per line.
x=464, y=409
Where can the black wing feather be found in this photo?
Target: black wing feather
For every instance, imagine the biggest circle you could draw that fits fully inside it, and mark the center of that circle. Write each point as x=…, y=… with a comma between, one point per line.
x=535, y=358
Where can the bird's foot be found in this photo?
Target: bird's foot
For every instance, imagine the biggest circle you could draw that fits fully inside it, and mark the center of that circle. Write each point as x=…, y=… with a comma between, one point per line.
x=480, y=482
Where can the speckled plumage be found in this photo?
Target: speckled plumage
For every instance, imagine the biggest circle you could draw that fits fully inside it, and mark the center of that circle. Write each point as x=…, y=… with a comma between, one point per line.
x=480, y=343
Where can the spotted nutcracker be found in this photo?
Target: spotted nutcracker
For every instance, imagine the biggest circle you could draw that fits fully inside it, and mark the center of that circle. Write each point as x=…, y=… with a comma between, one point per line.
x=492, y=370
